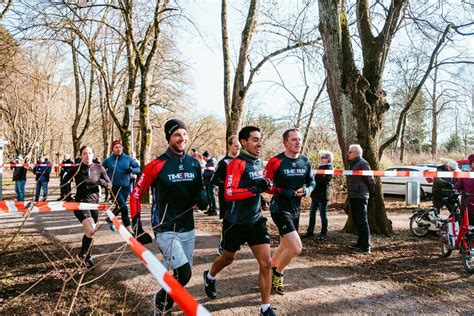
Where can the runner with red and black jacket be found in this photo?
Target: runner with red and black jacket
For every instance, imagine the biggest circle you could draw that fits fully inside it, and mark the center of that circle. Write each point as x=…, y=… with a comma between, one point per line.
x=176, y=182
x=243, y=221
x=292, y=180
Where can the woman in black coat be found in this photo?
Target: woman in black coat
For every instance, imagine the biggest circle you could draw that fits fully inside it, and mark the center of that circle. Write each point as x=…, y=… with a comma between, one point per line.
x=320, y=196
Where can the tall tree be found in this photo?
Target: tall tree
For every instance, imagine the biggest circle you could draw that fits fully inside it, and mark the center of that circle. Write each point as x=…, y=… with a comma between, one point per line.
x=243, y=77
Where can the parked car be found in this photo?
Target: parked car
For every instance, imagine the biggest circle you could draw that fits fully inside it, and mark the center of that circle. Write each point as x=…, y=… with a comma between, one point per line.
x=431, y=165
x=397, y=185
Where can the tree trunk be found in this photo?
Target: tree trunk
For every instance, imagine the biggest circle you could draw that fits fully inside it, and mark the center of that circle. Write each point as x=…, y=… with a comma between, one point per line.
x=357, y=99
x=226, y=58
x=434, y=117
x=402, y=140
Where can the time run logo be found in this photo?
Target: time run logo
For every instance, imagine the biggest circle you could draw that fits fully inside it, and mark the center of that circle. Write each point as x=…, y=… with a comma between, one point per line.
x=294, y=172
x=255, y=174
x=180, y=177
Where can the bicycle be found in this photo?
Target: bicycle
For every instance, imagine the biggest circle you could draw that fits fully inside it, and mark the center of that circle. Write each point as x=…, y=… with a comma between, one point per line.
x=457, y=234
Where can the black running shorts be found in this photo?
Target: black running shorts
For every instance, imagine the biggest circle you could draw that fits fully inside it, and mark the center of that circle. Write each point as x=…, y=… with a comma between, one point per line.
x=235, y=235
x=286, y=222
x=83, y=214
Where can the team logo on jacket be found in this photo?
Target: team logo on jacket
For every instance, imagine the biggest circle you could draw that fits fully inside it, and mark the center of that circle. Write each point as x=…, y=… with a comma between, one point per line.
x=181, y=177
x=294, y=172
x=255, y=174
x=180, y=167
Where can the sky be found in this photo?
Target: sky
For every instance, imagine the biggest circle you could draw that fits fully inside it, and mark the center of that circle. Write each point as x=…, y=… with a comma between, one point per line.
x=203, y=54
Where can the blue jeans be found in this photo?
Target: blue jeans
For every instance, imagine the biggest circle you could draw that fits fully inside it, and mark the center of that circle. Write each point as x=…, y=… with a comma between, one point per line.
x=315, y=204
x=121, y=193
x=359, y=216
x=20, y=190
x=41, y=185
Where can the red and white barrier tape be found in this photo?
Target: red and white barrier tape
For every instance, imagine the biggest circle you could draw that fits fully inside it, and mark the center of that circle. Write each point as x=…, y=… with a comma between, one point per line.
x=336, y=172
x=178, y=293
x=382, y=173
x=39, y=165
x=8, y=206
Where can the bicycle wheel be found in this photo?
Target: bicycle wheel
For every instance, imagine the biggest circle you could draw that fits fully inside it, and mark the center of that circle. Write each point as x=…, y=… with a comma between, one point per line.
x=467, y=255
x=416, y=227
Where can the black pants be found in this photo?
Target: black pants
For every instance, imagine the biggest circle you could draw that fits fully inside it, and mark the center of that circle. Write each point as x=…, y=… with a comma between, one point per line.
x=211, y=197
x=359, y=216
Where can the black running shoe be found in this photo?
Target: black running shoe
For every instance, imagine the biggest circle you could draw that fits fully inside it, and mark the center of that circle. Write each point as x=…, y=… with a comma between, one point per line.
x=209, y=286
x=268, y=312
x=109, y=222
x=88, y=263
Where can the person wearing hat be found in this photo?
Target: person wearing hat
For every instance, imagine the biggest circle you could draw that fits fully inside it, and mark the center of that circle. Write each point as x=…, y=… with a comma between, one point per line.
x=442, y=186
x=42, y=171
x=65, y=186
x=207, y=174
x=176, y=182
x=119, y=167
x=19, y=177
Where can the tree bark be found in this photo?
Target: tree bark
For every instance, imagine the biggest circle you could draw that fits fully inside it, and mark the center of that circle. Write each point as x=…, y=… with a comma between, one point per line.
x=357, y=98
x=434, y=116
x=226, y=58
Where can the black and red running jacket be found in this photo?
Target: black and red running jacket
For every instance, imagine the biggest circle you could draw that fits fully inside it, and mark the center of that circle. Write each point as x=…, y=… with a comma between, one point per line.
x=242, y=175
x=288, y=175
x=176, y=184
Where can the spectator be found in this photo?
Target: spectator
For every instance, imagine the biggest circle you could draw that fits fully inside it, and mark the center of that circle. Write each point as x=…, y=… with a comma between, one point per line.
x=207, y=174
x=442, y=186
x=133, y=176
x=65, y=186
x=42, y=172
x=320, y=196
x=19, y=176
x=360, y=189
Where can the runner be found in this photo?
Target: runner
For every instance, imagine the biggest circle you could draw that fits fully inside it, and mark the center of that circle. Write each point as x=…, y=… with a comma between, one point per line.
x=292, y=180
x=176, y=182
x=88, y=177
x=233, y=148
x=119, y=167
x=243, y=222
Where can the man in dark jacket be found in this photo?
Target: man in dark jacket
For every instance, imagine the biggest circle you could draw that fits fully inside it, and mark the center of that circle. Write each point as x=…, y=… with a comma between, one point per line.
x=119, y=166
x=19, y=177
x=65, y=186
x=441, y=187
x=207, y=174
x=360, y=189
x=320, y=196
x=42, y=172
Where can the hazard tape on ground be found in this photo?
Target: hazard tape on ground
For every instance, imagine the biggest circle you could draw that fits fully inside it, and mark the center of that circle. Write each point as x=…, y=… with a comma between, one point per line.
x=382, y=173
x=8, y=206
x=186, y=302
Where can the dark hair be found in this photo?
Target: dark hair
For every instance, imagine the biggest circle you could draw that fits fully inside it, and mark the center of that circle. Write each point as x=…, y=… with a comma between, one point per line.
x=245, y=132
x=288, y=131
x=231, y=138
x=84, y=147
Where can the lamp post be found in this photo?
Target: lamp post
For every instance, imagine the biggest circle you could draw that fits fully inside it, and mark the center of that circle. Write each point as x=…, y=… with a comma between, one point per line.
x=131, y=113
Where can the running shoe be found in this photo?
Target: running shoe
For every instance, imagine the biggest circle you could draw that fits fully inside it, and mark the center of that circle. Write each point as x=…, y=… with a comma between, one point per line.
x=160, y=308
x=110, y=223
x=209, y=286
x=268, y=312
x=277, y=284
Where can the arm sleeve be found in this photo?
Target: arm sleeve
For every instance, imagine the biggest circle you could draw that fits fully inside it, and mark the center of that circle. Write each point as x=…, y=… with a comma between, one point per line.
x=310, y=183
x=104, y=180
x=459, y=185
x=368, y=179
x=270, y=171
x=134, y=167
x=70, y=174
x=144, y=182
x=219, y=176
x=201, y=197
x=233, y=175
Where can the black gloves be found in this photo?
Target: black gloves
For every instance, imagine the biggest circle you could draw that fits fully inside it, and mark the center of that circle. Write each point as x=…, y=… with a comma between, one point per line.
x=138, y=232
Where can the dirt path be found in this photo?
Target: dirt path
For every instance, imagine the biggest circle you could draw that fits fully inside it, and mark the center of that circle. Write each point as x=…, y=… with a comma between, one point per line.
x=402, y=275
